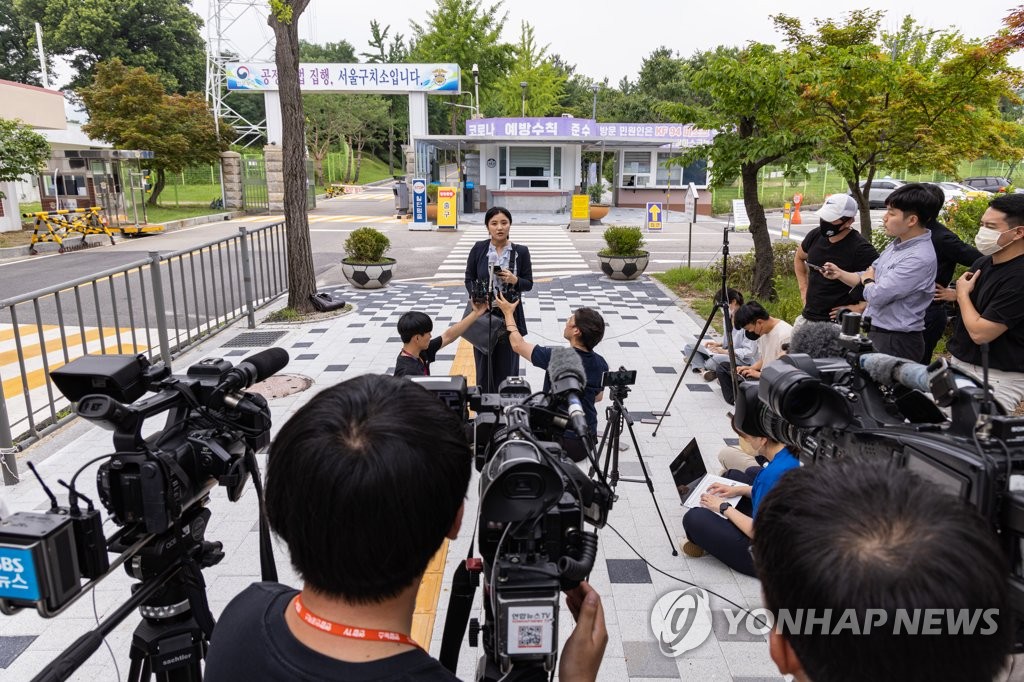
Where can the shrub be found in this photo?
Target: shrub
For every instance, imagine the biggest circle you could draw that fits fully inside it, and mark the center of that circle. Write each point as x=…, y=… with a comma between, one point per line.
x=623, y=242
x=366, y=246
x=880, y=239
x=432, y=193
x=596, y=191
x=741, y=267
x=963, y=217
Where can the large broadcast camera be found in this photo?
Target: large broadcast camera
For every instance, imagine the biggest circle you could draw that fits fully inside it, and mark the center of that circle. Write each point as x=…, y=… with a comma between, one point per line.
x=155, y=487
x=872, y=405
x=534, y=505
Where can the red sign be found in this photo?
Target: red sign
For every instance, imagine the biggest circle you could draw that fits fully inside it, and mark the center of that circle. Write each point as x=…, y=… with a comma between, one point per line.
x=445, y=193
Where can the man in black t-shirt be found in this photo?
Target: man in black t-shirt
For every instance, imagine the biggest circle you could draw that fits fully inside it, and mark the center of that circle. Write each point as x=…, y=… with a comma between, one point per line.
x=583, y=330
x=418, y=348
x=992, y=303
x=833, y=241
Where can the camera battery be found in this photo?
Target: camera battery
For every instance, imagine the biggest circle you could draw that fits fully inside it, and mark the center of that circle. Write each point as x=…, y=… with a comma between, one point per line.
x=38, y=561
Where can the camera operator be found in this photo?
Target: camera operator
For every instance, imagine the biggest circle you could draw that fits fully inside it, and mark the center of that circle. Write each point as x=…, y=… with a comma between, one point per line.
x=583, y=330
x=364, y=483
x=992, y=304
x=849, y=537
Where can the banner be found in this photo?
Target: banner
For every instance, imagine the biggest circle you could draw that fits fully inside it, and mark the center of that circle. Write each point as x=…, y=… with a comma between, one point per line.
x=741, y=223
x=438, y=79
x=447, y=208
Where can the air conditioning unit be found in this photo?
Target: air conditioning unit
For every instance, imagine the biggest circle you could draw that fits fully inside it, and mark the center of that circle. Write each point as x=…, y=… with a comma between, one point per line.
x=567, y=116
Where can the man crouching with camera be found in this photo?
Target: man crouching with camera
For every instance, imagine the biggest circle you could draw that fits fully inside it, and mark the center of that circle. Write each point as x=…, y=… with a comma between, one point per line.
x=364, y=483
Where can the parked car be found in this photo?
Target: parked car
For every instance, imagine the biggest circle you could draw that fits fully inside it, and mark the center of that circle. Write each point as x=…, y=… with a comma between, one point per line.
x=955, y=191
x=989, y=183
x=880, y=191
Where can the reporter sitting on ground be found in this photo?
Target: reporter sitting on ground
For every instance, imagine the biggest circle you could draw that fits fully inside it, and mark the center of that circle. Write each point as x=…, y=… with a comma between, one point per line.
x=771, y=335
x=724, y=531
x=853, y=536
x=364, y=483
x=711, y=354
x=583, y=330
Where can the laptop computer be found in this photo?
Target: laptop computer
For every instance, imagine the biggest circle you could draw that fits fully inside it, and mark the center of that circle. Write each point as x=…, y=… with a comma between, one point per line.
x=688, y=469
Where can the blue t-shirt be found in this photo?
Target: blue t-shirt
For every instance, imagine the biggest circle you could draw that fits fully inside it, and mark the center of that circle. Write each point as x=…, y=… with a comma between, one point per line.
x=783, y=461
x=594, y=366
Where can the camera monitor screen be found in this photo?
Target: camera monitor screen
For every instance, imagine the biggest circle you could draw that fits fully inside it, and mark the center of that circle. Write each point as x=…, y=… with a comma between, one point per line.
x=945, y=478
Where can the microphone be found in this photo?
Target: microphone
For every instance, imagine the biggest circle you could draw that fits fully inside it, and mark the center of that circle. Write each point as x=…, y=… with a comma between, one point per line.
x=491, y=262
x=253, y=370
x=890, y=371
x=568, y=380
x=817, y=339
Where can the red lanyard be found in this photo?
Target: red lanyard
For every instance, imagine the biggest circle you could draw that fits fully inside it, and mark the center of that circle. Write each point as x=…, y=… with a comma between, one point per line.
x=423, y=365
x=348, y=631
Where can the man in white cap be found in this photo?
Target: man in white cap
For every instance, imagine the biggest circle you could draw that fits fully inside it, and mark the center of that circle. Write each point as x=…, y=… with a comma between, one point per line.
x=833, y=241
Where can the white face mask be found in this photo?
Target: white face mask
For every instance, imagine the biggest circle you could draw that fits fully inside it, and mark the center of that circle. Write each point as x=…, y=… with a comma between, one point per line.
x=987, y=241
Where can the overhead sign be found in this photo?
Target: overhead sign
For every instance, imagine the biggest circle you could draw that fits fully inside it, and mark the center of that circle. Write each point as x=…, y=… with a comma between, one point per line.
x=586, y=129
x=580, y=207
x=437, y=79
x=740, y=221
x=654, y=216
x=419, y=203
x=447, y=208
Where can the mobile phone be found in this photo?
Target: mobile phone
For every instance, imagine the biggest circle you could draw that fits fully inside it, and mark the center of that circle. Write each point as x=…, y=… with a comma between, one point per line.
x=497, y=269
x=812, y=266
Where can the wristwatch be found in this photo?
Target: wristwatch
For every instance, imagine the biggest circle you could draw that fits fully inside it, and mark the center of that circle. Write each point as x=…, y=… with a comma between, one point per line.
x=722, y=507
x=867, y=280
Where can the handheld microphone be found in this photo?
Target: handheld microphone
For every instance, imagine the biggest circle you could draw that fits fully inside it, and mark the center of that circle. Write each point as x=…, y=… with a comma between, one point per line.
x=253, y=370
x=569, y=380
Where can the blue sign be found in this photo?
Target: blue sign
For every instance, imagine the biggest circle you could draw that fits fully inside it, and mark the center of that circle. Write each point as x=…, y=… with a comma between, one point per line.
x=419, y=200
x=655, y=217
x=17, y=575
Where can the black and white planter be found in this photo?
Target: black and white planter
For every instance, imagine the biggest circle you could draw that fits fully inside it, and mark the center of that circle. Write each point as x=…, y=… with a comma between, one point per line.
x=624, y=268
x=372, y=276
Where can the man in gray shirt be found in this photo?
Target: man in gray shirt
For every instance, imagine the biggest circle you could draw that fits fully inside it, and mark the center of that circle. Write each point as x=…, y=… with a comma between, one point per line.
x=899, y=286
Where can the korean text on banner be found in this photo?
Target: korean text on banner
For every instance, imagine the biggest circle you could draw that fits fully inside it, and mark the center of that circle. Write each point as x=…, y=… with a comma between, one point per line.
x=447, y=208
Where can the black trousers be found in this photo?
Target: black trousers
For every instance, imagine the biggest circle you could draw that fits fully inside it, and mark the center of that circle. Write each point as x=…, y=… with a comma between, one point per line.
x=504, y=362
x=724, y=374
x=909, y=345
x=718, y=536
x=935, y=320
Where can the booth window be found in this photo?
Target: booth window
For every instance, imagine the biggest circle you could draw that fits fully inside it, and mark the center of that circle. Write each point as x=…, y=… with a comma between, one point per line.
x=66, y=185
x=636, y=171
x=524, y=167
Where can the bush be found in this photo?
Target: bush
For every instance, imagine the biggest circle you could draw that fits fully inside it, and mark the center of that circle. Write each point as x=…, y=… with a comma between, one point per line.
x=880, y=239
x=366, y=246
x=623, y=242
x=741, y=267
x=963, y=217
x=596, y=191
x=432, y=193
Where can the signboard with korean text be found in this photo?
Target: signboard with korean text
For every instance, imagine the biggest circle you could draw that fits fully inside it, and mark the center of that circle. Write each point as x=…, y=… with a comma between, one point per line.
x=419, y=204
x=740, y=221
x=580, y=207
x=586, y=129
x=437, y=79
x=447, y=208
x=690, y=202
x=655, y=219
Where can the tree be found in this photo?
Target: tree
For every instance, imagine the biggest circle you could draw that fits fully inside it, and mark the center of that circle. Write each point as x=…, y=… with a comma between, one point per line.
x=325, y=125
x=384, y=52
x=751, y=101
x=363, y=117
x=284, y=20
x=24, y=151
x=162, y=36
x=17, y=47
x=340, y=52
x=129, y=109
x=545, y=81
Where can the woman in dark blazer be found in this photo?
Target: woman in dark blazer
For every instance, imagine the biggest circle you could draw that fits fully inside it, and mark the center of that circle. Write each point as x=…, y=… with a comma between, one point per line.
x=516, y=273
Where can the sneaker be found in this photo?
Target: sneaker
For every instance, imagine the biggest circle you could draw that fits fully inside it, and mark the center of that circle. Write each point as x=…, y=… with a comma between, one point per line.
x=710, y=375
x=691, y=549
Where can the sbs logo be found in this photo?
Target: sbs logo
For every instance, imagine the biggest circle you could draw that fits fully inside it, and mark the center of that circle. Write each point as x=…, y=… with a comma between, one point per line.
x=681, y=620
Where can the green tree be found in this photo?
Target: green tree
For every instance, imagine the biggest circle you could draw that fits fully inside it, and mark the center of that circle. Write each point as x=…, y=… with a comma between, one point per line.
x=17, y=45
x=383, y=51
x=340, y=52
x=129, y=109
x=162, y=36
x=545, y=82
x=752, y=102
x=325, y=125
x=24, y=151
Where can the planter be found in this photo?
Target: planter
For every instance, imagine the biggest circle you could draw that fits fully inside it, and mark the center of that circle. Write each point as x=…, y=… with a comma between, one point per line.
x=597, y=212
x=623, y=268
x=431, y=213
x=368, y=276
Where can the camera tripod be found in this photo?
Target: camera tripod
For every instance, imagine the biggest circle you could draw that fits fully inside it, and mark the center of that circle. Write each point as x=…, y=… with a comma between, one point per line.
x=617, y=415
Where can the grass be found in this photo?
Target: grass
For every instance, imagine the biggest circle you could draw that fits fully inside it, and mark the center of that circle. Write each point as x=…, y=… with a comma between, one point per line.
x=284, y=315
x=163, y=214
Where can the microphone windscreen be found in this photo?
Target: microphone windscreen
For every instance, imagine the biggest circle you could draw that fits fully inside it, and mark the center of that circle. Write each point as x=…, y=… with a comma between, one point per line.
x=817, y=339
x=268, y=362
x=565, y=362
x=881, y=367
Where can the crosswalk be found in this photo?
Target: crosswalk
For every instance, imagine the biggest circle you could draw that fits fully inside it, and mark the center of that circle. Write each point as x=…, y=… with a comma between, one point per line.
x=552, y=252
x=328, y=218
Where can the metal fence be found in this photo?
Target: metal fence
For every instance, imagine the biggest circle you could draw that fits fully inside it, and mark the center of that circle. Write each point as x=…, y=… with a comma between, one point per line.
x=158, y=306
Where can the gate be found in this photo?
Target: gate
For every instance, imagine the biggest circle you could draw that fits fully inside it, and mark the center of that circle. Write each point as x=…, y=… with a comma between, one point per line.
x=254, y=186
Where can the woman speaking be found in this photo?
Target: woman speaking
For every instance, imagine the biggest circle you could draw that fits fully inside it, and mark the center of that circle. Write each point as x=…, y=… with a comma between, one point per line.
x=505, y=267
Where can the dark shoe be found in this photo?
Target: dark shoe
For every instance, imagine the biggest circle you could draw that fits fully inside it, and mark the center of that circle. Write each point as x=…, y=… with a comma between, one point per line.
x=692, y=550
x=710, y=375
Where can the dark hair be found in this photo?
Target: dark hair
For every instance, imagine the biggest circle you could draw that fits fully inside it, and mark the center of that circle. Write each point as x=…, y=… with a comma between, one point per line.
x=364, y=482
x=591, y=326
x=856, y=534
x=412, y=323
x=495, y=210
x=1012, y=205
x=749, y=312
x=918, y=199
x=734, y=296
x=938, y=194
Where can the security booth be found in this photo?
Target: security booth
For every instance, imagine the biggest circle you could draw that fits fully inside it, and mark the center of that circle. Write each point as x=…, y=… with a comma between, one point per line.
x=112, y=179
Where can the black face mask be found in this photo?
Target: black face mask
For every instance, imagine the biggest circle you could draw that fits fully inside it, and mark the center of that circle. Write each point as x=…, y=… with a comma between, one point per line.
x=829, y=229
x=753, y=336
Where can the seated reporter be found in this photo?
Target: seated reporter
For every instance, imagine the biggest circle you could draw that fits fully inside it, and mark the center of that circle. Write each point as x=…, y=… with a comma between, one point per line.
x=717, y=527
x=364, y=483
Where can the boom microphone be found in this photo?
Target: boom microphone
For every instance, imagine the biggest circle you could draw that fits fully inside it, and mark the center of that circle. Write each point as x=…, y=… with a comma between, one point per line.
x=568, y=379
x=891, y=371
x=254, y=369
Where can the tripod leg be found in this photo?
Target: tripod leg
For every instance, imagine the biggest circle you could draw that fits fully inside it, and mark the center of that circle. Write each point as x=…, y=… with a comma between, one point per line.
x=686, y=367
x=650, y=487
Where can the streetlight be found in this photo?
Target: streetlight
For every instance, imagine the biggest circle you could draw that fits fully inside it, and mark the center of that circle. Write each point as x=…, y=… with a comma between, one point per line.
x=476, y=88
x=523, y=85
x=593, y=114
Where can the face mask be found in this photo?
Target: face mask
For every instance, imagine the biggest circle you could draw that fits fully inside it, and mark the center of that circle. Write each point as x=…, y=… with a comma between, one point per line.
x=828, y=229
x=753, y=336
x=987, y=241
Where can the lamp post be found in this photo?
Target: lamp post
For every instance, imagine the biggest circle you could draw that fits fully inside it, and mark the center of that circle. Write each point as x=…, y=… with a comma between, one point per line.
x=600, y=162
x=523, y=85
x=476, y=88
x=593, y=113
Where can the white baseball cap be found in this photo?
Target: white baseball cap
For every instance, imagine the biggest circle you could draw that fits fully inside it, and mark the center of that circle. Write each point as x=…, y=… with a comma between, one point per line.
x=837, y=206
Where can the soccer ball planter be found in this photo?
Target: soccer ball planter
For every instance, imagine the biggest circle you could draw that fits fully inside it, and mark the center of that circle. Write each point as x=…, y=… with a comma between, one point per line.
x=364, y=265
x=623, y=260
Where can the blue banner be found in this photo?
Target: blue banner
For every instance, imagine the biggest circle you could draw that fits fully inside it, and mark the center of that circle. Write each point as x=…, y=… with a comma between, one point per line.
x=419, y=200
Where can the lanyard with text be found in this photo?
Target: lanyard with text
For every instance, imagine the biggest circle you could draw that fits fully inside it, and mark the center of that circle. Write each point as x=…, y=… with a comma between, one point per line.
x=349, y=631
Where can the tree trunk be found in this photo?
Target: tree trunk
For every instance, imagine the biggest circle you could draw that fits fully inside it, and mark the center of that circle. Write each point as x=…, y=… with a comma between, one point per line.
x=348, y=161
x=391, y=145
x=359, y=163
x=161, y=181
x=301, y=276
x=763, y=286
x=863, y=204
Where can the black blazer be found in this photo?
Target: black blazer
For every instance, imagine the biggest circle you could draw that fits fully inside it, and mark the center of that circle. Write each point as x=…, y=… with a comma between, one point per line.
x=476, y=269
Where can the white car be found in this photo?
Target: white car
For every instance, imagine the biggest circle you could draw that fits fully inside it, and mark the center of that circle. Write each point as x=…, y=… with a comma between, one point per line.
x=955, y=191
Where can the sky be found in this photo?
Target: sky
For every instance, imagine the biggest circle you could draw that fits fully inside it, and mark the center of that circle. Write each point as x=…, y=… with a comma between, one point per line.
x=607, y=39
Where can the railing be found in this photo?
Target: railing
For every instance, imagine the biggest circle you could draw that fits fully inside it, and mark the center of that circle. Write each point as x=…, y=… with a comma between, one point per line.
x=159, y=305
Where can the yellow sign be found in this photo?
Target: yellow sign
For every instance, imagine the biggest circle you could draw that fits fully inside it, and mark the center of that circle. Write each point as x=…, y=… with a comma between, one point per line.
x=447, y=207
x=580, y=207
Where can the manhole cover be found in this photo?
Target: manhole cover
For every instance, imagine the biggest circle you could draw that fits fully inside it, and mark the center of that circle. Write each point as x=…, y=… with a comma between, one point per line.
x=254, y=339
x=282, y=385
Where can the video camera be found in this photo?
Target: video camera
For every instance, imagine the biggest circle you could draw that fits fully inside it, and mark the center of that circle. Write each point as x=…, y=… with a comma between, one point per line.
x=534, y=504
x=155, y=487
x=867, y=404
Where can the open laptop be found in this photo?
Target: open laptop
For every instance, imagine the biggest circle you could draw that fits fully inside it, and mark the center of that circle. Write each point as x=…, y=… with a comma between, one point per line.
x=688, y=469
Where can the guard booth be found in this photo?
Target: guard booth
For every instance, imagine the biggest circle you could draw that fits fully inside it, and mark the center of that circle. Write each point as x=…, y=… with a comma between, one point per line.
x=113, y=179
